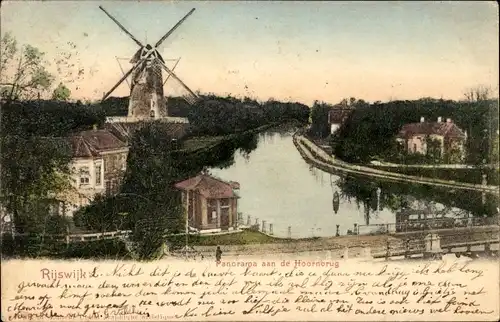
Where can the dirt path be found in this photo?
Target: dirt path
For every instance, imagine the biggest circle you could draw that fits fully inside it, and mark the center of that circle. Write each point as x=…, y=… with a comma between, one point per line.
x=336, y=245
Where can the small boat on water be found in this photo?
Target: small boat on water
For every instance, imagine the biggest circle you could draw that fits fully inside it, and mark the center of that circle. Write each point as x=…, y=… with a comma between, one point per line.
x=336, y=202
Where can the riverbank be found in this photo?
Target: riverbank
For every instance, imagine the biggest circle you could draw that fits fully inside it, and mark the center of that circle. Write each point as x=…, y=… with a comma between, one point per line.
x=321, y=160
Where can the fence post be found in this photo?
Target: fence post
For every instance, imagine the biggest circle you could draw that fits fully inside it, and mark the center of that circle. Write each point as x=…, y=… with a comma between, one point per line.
x=67, y=236
x=249, y=222
x=289, y=231
x=487, y=249
x=355, y=229
x=263, y=226
x=432, y=246
x=338, y=231
x=387, y=251
x=407, y=248
x=271, y=229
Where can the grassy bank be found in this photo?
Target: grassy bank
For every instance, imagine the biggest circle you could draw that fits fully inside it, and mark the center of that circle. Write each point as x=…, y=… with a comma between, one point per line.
x=245, y=237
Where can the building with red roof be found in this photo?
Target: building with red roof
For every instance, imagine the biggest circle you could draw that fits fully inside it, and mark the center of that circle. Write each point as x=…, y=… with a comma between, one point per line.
x=98, y=165
x=447, y=136
x=212, y=204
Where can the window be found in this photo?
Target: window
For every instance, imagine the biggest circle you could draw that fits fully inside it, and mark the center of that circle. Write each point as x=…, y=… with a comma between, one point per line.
x=124, y=161
x=414, y=147
x=98, y=174
x=84, y=173
x=212, y=211
x=224, y=203
x=152, y=113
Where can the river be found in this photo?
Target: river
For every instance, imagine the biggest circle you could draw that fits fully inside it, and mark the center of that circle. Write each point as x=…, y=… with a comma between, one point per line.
x=279, y=187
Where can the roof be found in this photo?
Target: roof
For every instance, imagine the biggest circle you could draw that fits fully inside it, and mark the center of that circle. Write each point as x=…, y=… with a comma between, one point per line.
x=92, y=143
x=446, y=129
x=338, y=115
x=124, y=131
x=209, y=187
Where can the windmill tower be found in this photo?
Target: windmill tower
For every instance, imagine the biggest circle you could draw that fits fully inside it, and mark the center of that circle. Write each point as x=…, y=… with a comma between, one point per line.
x=147, y=99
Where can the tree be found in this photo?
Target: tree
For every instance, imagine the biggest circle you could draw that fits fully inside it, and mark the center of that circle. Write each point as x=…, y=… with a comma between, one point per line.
x=319, y=119
x=23, y=71
x=478, y=93
x=433, y=149
x=61, y=93
x=34, y=170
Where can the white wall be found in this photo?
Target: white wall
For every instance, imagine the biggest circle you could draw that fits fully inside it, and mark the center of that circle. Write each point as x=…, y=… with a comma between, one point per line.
x=84, y=192
x=421, y=143
x=334, y=128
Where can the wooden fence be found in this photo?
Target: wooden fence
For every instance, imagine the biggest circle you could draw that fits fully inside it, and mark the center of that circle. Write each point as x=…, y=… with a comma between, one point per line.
x=78, y=237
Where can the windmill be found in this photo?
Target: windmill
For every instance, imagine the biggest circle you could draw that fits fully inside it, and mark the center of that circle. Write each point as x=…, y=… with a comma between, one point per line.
x=146, y=84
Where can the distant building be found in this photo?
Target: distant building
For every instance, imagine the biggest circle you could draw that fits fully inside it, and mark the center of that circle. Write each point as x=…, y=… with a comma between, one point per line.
x=98, y=167
x=212, y=204
x=449, y=140
x=337, y=116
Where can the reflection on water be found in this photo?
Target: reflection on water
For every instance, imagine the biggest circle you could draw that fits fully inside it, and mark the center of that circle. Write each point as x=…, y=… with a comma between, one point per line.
x=278, y=186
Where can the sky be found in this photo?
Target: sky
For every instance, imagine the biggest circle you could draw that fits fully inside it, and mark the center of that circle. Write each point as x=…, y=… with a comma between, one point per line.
x=291, y=51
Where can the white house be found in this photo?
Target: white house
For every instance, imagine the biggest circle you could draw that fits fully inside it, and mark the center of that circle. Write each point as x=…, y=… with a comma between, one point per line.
x=98, y=166
x=414, y=137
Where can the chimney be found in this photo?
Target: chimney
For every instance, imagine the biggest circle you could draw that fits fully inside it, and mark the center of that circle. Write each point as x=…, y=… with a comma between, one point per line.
x=448, y=120
x=440, y=119
x=422, y=119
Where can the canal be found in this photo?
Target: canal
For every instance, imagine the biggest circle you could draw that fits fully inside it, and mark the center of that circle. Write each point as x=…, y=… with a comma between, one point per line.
x=279, y=187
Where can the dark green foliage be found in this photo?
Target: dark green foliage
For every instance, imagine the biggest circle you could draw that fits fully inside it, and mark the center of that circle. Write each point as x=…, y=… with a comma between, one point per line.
x=33, y=168
x=114, y=106
x=319, y=120
x=48, y=118
x=370, y=131
x=104, y=214
x=221, y=116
